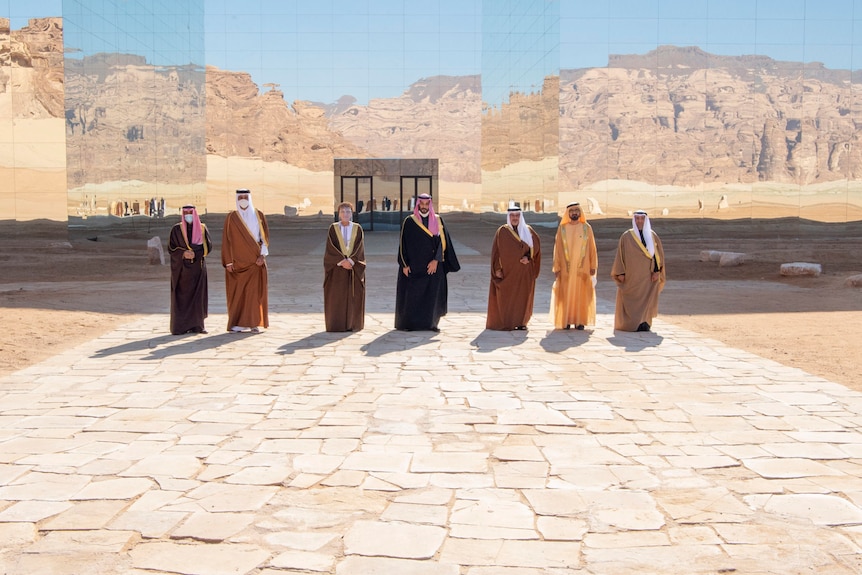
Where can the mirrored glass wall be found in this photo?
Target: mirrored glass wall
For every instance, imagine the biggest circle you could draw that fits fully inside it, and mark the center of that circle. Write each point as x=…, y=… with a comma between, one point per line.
x=135, y=110
x=732, y=109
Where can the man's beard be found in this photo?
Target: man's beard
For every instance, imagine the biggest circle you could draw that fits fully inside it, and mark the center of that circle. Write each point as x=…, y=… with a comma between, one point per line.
x=425, y=213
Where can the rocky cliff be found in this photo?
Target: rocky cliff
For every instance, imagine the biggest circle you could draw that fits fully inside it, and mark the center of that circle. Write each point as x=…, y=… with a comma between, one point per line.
x=35, y=52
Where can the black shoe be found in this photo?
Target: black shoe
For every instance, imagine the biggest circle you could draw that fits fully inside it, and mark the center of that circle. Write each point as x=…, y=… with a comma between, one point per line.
x=567, y=326
x=579, y=326
x=644, y=326
x=520, y=327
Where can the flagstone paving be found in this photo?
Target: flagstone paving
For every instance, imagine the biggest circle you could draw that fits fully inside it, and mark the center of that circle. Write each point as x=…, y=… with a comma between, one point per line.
x=464, y=452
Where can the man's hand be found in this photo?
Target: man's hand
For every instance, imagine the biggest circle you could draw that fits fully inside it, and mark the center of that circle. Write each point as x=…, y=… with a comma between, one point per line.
x=432, y=267
x=620, y=278
x=498, y=274
x=406, y=271
x=655, y=276
x=524, y=260
x=189, y=255
x=259, y=261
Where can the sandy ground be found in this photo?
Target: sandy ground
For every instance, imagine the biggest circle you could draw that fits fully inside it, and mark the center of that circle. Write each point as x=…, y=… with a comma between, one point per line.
x=55, y=293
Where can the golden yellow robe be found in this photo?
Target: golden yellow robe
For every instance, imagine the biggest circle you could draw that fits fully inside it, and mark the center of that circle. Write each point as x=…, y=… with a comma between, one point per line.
x=573, y=297
x=637, y=296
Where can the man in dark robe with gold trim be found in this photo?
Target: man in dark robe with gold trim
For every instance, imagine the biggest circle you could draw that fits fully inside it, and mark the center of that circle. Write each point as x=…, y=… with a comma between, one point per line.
x=189, y=244
x=639, y=274
x=425, y=257
x=245, y=245
x=516, y=258
x=344, y=273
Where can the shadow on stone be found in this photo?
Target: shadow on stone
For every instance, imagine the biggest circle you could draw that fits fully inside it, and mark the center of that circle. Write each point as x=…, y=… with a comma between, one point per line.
x=557, y=341
x=490, y=340
x=314, y=341
x=395, y=341
x=631, y=341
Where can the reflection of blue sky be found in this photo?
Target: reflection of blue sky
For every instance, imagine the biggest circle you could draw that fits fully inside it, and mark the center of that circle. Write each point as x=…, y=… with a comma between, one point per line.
x=323, y=49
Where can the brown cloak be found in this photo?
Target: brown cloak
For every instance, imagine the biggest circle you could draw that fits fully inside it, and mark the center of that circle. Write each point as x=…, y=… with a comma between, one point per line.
x=246, y=286
x=344, y=289
x=573, y=297
x=637, y=296
x=510, y=298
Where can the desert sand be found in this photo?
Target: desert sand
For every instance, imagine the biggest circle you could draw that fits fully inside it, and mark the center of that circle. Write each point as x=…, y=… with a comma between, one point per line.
x=55, y=293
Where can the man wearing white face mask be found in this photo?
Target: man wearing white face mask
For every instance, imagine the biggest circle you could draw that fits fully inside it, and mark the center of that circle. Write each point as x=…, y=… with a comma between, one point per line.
x=189, y=244
x=245, y=245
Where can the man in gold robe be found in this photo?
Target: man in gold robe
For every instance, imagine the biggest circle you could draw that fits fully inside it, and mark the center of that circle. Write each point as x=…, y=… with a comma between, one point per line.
x=639, y=274
x=344, y=273
x=573, y=295
x=245, y=245
x=516, y=258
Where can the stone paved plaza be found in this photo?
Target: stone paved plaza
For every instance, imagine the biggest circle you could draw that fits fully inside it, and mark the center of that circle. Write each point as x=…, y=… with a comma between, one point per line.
x=461, y=452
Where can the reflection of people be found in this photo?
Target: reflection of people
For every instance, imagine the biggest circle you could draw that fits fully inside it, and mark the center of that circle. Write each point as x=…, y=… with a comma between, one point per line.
x=245, y=245
x=425, y=256
x=516, y=258
x=189, y=244
x=640, y=275
x=344, y=274
x=573, y=295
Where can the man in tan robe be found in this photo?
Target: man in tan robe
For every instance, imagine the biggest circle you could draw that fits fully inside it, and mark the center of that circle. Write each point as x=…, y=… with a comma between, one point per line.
x=344, y=274
x=516, y=258
x=640, y=275
x=245, y=245
x=573, y=295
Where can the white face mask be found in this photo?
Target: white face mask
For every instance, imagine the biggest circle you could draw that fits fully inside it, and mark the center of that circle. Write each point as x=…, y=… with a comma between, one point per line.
x=243, y=204
x=189, y=218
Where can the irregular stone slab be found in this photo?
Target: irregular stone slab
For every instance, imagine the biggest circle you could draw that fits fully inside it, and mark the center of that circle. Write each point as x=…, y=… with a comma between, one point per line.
x=82, y=542
x=301, y=541
x=85, y=515
x=386, y=566
x=561, y=528
x=415, y=513
x=44, y=487
x=33, y=511
x=533, y=416
x=17, y=533
x=784, y=468
x=213, y=526
x=216, y=497
x=820, y=509
x=396, y=539
x=304, y=561
x=150, y=524
x=449, y=462
x=198, y=558
x=801, y=269
x=124, y=488
x=163, y=465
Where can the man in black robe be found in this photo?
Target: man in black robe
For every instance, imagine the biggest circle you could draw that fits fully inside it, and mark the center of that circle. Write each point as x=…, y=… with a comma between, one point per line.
x=189, y=244
x=425, y=256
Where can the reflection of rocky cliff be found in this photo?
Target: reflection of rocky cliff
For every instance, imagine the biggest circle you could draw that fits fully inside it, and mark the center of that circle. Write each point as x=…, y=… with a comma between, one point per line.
x=436, y=117
x=35, y=52
x=129, y=120
x=682, y=116
x=245, y=123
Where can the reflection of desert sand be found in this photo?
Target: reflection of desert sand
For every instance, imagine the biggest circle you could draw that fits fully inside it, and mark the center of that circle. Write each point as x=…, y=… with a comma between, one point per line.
x=92, y=200
x=37, y=195
x=276, y=185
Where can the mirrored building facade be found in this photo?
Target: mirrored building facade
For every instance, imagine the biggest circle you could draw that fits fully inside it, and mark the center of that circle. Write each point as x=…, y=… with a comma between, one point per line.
x=112, y=111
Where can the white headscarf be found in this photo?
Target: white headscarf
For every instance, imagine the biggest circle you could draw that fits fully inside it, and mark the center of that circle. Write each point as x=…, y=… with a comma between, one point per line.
x=249, y=216
x=647, y=231
x=523, y=230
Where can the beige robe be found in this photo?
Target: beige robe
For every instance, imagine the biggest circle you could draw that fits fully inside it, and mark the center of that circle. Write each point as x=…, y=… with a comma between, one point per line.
x=637, y=296
x=573, y=296
x=246, y=287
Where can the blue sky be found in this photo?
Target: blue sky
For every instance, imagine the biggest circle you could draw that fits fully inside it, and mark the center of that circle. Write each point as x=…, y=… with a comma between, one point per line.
x=323, y=49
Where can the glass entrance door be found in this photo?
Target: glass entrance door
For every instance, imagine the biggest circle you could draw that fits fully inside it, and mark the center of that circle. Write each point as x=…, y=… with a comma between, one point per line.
x=359, y=190
x=412, y=186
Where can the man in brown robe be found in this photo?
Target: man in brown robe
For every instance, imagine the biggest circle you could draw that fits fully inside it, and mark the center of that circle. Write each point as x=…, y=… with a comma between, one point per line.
x=344, y=274
x=573, y=295
x=245, y=245
x=516, y=258
x=639, y=274
x=189, y=244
